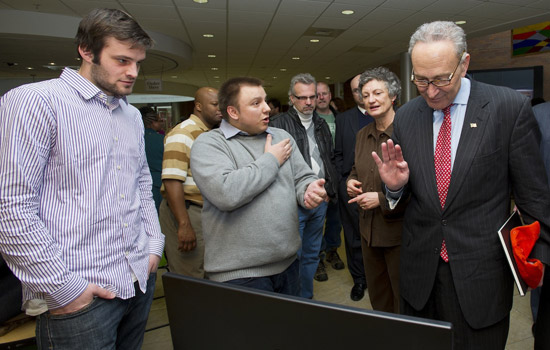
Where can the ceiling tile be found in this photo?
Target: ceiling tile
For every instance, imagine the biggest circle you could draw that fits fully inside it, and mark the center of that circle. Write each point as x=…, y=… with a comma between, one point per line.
x=416, y=5
x=211, y=4
x=253, y=6
x=152, y=11
x=194, y=15
x=389, y=14
x=302, y=8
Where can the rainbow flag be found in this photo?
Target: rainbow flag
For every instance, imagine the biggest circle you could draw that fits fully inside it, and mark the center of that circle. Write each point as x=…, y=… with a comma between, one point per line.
x=531, y=39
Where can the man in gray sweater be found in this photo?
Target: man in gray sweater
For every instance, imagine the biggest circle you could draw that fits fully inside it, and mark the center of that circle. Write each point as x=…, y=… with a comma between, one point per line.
x=252, y=178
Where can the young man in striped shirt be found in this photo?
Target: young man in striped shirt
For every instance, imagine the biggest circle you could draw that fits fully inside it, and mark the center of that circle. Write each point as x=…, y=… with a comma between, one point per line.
x=78, y=224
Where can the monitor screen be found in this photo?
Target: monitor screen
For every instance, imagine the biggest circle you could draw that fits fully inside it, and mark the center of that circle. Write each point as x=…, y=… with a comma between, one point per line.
x=527, y=80
x=210, y=315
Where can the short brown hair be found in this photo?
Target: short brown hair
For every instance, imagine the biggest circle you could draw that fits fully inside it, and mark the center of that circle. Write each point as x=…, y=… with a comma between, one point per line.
x=228, y=94
x=99, y=24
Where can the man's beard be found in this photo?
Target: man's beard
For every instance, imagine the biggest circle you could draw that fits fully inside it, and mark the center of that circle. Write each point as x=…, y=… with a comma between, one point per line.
x=99, y=75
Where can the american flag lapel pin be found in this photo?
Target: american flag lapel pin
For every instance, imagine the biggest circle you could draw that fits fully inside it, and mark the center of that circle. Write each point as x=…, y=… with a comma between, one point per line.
x=473, y=125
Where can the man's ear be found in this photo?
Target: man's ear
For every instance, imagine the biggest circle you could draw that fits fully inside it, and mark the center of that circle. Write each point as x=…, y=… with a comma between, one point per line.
x=198, y=106
x=465, y=65
x=233, y=112
x=86, y=55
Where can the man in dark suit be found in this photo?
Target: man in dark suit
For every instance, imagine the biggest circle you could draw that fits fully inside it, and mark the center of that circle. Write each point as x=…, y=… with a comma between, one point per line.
x=347, y=126
x=453, y=267
x=542, y=295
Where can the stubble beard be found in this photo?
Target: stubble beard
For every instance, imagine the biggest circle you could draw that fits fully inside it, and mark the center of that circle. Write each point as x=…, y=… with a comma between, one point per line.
x=100, y=78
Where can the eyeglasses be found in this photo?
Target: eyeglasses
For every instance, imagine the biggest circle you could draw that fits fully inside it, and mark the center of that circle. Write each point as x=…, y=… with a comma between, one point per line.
x=322, y=94
x=305, y=98
x=437, y=82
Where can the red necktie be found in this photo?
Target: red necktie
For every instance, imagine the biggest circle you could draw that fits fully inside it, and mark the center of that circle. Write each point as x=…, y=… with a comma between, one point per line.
x=442, y=160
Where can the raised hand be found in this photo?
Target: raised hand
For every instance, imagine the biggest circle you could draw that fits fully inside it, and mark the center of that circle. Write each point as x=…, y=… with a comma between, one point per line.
x=393, y=169
x=281, y=150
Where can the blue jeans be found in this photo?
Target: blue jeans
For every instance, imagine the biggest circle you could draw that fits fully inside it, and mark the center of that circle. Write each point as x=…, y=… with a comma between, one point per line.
x=311, y=232
x=332, y=238
x=286, y=282
x=103, y=324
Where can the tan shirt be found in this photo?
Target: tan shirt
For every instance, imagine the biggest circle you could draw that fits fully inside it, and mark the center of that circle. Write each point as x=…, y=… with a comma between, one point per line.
x=177, y=155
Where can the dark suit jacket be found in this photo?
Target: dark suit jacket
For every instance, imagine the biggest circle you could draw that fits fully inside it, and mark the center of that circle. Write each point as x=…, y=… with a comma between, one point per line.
x=347, y=126
x=498, y=154
x=542, y=113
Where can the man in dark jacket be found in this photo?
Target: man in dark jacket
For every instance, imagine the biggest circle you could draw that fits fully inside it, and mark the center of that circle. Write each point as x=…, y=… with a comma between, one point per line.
x=313, y=138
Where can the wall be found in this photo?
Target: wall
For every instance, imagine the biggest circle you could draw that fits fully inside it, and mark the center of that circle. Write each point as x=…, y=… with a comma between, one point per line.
x=495, y=51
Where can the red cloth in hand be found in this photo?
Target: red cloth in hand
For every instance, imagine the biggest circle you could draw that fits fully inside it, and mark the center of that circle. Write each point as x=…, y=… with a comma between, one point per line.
x=523, y=240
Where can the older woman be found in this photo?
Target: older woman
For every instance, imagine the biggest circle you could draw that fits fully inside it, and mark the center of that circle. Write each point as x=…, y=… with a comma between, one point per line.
x=380, y=226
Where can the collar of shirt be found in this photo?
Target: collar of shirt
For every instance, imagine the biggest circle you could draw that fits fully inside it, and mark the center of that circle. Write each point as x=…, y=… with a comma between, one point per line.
x=229, y=130
x=363, y=111
x=85, y=87
x=199, y=122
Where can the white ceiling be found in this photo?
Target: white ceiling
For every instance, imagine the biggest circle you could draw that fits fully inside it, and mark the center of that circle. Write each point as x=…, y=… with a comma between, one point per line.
x=260, y=37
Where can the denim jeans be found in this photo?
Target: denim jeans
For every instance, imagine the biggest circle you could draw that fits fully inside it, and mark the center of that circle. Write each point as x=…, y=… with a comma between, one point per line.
x=333, y=228
x=311, y=232
x=286, y=282
x=103, y=324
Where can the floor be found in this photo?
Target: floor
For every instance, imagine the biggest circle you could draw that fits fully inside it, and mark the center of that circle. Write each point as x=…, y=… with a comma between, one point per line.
x=335, y=290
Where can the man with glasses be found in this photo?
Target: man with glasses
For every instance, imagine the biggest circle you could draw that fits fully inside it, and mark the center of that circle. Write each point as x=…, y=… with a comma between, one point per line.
x=348, y=125
x=312, y=135
x=460, y=151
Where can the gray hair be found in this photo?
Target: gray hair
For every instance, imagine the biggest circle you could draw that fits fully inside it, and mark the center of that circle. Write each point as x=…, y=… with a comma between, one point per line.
x=440, y=31
x=304, y=78
x=385, y=75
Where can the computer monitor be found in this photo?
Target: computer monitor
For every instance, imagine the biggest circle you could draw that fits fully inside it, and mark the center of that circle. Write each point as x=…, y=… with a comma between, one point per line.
x=210, y=315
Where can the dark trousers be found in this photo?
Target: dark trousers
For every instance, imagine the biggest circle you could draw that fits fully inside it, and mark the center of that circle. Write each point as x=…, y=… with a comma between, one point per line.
x=349, y=216
x=542, y=328
x=443, y=305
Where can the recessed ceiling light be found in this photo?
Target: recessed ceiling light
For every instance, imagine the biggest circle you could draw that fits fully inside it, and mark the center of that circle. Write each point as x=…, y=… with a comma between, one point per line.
x=460, y=22
x=30, y=68
x=208, y=35
x=327, y=78
x=314, y=40
x=52, y=63
x=274, y=77
x=283, y=69
x=211, y=56
x=201, y=1
x=216, y=77
x=296, y=58
x=348, y=12
x=214, y=68
x=77, y=58
x=174, y=77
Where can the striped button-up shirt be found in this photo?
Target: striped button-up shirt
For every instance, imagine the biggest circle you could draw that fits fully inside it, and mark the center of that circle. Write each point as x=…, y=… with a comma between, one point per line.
x=75, y=191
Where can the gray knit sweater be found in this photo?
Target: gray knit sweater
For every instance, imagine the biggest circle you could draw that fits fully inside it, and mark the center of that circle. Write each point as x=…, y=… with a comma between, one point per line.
x=250, y=216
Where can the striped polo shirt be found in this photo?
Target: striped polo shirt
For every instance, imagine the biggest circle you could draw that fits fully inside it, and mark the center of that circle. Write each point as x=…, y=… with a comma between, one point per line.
x=177, y=154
